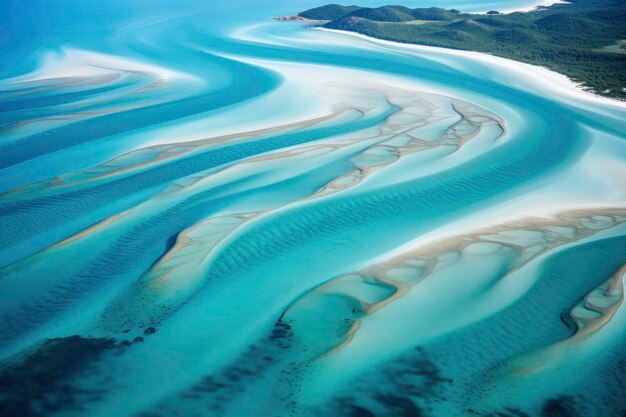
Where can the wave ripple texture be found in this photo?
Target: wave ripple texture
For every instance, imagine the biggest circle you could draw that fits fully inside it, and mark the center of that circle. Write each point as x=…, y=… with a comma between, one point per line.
x=204, y=212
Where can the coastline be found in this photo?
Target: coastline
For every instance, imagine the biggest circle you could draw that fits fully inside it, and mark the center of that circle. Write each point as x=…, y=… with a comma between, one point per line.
x=525, y=9
x=529, y=8
x=552, y=80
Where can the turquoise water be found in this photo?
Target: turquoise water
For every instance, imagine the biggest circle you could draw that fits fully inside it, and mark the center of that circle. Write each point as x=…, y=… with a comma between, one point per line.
x=207, y=212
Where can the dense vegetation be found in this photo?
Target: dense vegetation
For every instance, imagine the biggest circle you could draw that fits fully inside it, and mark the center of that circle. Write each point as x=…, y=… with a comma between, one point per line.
x=329, y=12
x=568, y=38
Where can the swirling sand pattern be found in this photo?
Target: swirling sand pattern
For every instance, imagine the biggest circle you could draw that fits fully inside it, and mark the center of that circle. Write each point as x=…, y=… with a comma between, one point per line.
x=211, y=214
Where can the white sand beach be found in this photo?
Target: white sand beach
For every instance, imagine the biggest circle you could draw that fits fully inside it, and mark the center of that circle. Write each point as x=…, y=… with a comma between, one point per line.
x=543, y=77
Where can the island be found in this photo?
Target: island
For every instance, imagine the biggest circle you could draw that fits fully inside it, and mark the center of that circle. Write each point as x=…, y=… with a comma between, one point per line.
x=583, y=39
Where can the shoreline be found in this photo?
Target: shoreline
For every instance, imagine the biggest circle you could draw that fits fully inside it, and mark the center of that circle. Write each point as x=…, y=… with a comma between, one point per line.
x=552, y=80
x=525, y=9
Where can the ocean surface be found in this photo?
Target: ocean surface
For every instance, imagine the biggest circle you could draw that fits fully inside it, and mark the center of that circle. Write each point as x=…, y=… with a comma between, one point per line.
x=206, y=212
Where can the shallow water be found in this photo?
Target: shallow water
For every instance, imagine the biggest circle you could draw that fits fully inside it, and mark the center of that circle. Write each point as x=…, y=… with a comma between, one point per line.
x=207, y=212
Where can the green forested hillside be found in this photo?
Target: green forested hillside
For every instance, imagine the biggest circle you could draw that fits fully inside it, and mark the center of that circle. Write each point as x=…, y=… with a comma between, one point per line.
x=568, y=38
x=329, y=12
